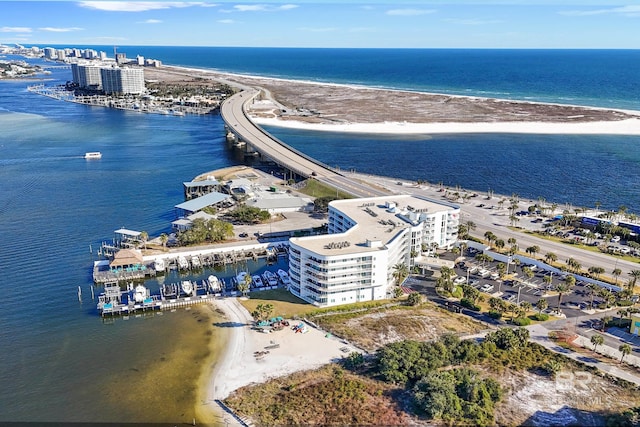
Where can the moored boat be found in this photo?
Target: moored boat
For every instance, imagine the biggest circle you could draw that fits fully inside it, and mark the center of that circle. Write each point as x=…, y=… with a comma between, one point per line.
x=214, y=283
x=284, y=277
x=257, y=281
x=187, y=287
x=159, y=265
x=140, y=293
x=270, y=277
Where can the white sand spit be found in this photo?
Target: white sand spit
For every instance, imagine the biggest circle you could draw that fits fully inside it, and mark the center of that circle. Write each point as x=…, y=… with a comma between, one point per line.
x=619, y=127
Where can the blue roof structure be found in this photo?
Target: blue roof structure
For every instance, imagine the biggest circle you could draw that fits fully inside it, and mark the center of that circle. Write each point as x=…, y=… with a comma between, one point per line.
x=199, y=203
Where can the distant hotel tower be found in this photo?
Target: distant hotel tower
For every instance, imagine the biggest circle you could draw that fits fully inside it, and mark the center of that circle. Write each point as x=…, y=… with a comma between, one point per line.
x=109, y=79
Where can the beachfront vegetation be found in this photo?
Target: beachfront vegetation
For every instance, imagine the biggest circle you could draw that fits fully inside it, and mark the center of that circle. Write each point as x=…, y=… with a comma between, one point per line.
x=447, y=381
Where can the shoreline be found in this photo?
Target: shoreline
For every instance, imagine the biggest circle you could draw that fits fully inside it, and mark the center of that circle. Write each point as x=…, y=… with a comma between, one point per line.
x=629, y=127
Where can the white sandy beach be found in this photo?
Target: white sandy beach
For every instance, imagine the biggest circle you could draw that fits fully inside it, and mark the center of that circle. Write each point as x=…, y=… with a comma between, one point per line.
x=620, y=127
x=239, y=367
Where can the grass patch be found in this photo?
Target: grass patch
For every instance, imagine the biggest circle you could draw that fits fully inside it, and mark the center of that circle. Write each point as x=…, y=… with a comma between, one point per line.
x=315, y=188
x=284, y=303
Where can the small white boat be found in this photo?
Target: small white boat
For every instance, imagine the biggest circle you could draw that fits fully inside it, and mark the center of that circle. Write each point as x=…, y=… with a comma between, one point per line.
x=195, y=262
x=183, y=264
x=270, y=277
x=89, y=155
x=159, y=265
x=257, y=281
x=241, y=277
x=140, y=293
x=187, y=287
x=214, y=283
x=284, y=277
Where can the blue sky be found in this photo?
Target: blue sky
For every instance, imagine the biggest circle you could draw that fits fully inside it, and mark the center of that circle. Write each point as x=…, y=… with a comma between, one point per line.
x=329, y=23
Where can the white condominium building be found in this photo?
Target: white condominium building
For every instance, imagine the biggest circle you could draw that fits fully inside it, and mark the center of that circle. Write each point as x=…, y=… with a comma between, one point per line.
x=87, y=75
x=367, y=238
x=122, y=80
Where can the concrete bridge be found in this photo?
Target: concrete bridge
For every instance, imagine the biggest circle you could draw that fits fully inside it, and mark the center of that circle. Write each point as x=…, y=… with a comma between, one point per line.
x=233, y=112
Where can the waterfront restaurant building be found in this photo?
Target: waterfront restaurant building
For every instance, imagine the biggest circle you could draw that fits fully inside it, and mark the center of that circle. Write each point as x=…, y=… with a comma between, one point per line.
x=367, y=238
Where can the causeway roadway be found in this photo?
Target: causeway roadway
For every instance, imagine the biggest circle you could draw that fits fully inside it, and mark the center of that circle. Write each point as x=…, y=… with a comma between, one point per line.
x=233, y=112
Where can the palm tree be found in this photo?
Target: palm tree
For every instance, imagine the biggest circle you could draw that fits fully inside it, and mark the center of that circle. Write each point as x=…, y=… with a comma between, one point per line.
x=624, y=349
x=164, y=239
x=597, y=340
x=592, y=289
x=144, y=236
x=470, y=226
x=635, y=275
x=489, y=237
x=564, y=287
x=550, y=257
x=400, y=272
x=541, y=305
x=616, y=272
x=533, y=250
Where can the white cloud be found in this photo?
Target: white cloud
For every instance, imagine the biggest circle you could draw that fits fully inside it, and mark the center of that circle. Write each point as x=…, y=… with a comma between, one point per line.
x=15, y=30
x=227, y=21
x=60, y=30
x=150, y=21
x=409, y=12
x=629, y=11
x=138, y=6
x=261, y=7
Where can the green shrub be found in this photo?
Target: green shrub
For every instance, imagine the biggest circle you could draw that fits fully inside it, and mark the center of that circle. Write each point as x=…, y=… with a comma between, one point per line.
x=540, y=317
x=469, y=304
x=521, y=321
x=494, y=314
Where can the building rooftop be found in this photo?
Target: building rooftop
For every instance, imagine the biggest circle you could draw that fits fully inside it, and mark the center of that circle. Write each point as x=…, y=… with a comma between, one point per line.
x=378, y=222
x=200, y=183
x=194, y=205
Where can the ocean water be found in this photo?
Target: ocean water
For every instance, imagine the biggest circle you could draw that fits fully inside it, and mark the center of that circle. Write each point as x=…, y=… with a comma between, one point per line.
x=65, y=364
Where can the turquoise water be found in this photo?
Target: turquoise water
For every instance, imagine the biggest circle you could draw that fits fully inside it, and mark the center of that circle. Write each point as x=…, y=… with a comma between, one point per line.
x=57, y=353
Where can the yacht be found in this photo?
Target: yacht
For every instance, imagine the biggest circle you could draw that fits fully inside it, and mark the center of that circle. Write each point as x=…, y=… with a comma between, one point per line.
x=270, y=277
x=284, y=277
x=140, y=293
x=89, y=155
x=214, y=283
x=183, y=264
x=159, y=265
x=257, y=281
x=187, y=287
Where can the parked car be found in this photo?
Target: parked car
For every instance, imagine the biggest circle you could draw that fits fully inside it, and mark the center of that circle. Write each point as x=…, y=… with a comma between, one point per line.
x=459, y=280
x=487, y=287
x=474, y=282
x=483, y=272
x=495, y=276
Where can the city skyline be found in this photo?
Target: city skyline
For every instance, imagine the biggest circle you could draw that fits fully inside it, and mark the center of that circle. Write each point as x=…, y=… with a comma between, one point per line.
x=330, y=24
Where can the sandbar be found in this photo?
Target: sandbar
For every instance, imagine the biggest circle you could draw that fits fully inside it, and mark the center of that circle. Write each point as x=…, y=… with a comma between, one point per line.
x=352, y=108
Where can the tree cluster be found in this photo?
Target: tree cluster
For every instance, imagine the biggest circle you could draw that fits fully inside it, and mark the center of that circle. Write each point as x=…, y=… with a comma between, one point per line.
x=211, y=230
x=249, y=214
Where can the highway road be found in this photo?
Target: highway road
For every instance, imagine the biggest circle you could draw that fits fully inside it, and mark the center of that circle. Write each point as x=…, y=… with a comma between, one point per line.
x=234, y=115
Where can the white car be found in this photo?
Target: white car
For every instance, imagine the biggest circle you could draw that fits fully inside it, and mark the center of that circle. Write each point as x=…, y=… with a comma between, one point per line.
x=460, y=280
x=487, y=288
x=484, y=272
x=615, y=239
